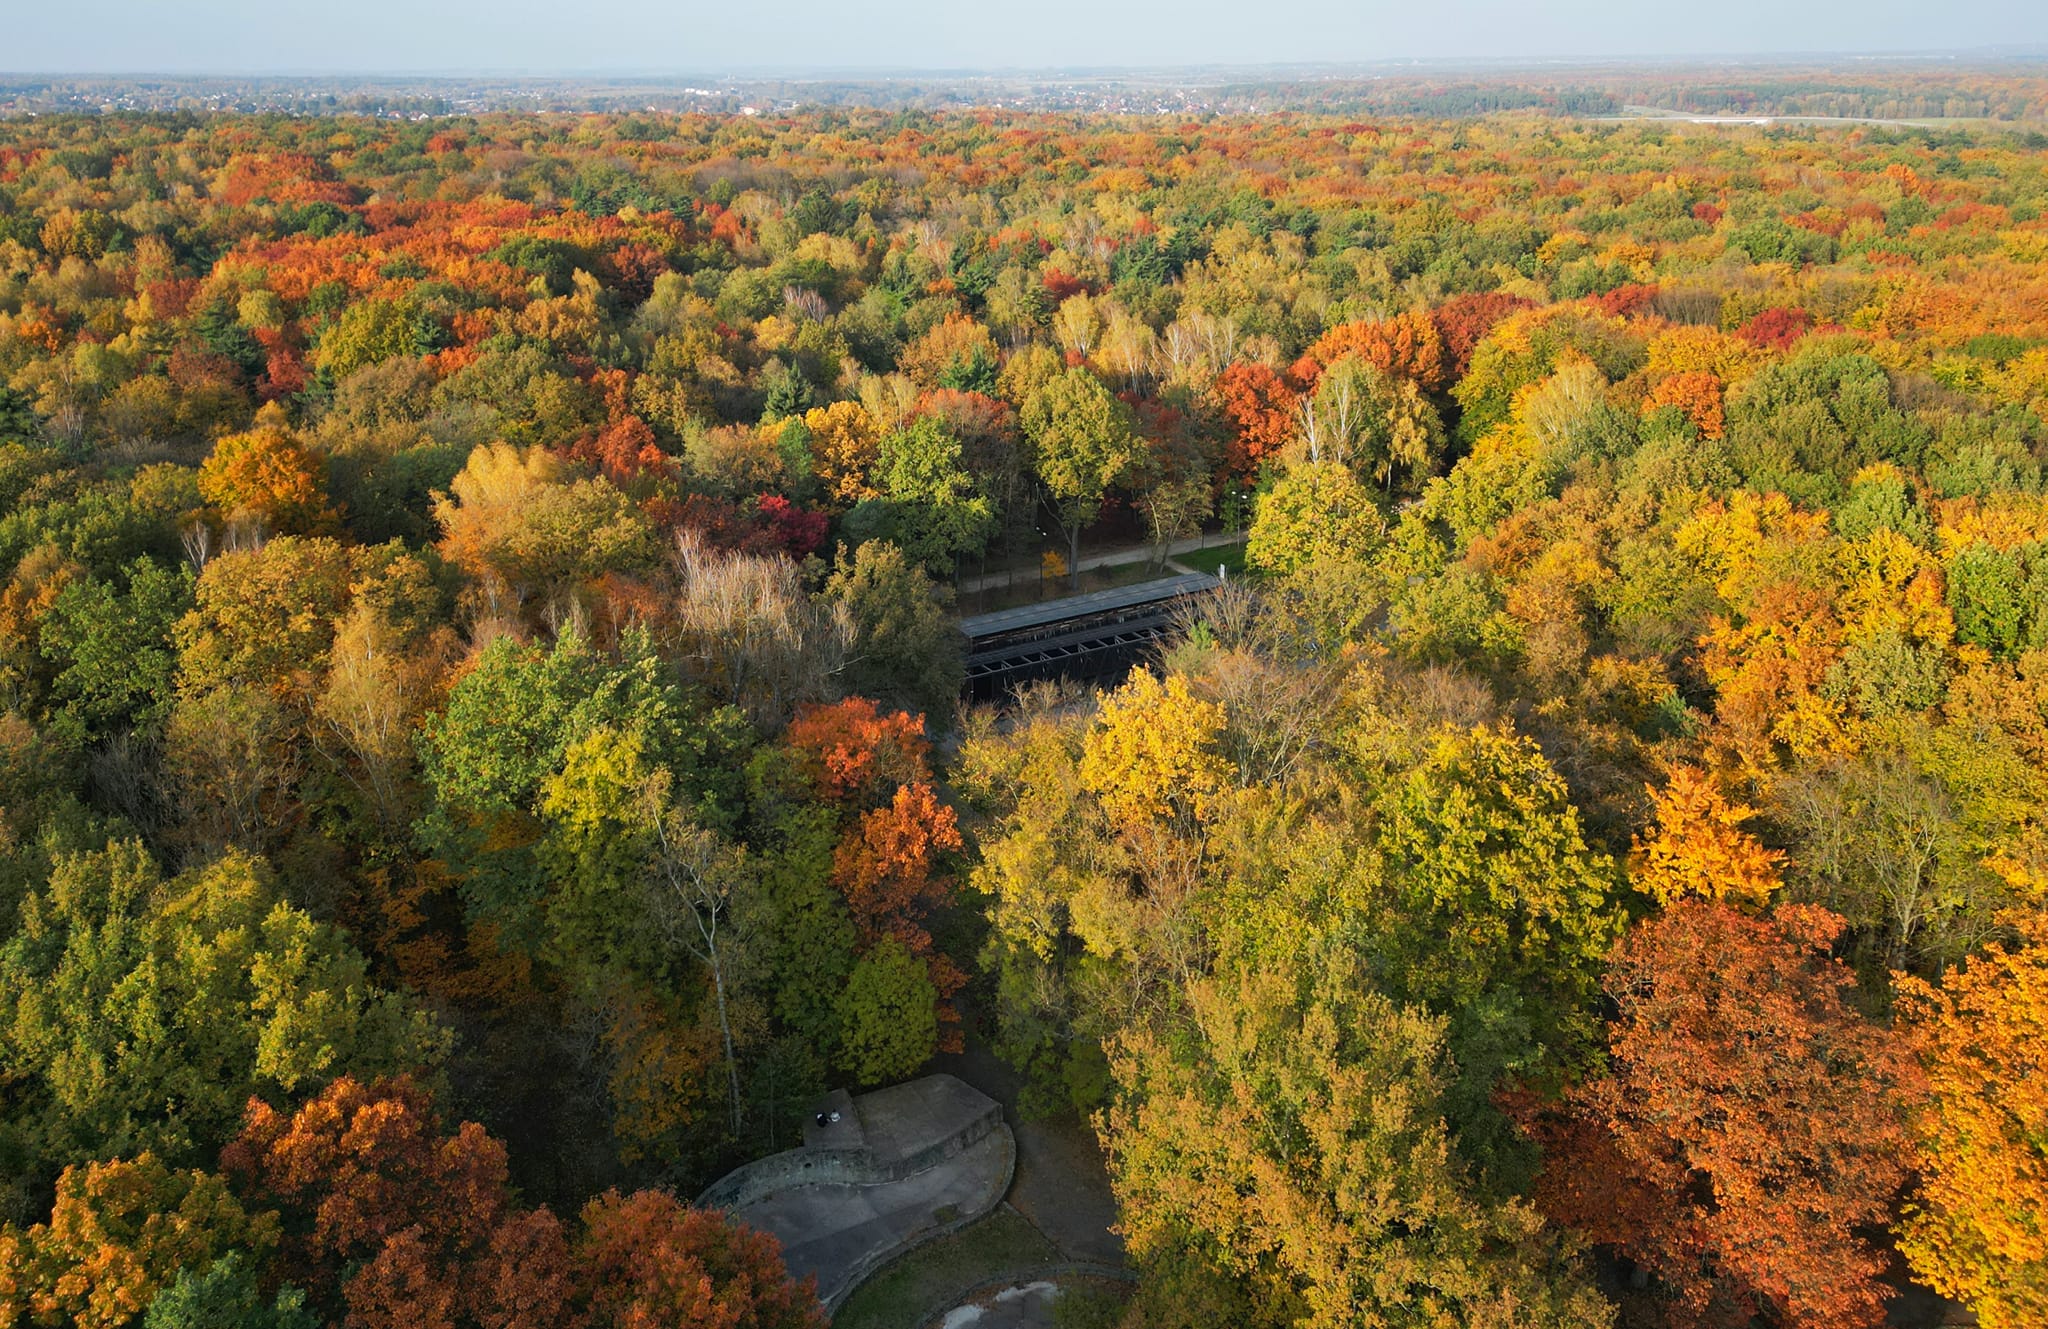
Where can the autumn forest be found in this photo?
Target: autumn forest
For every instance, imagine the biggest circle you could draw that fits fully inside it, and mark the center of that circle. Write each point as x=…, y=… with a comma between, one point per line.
x=483, y=745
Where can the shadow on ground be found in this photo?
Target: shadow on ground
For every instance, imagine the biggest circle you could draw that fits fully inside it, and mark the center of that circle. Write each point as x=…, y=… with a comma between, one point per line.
x=1062, y=1183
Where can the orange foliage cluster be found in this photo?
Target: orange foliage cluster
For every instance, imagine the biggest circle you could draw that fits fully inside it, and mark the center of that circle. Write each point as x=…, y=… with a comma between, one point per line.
x=888, y=862
x=1409, y=346
x=1739, y=1063
x=856, y=753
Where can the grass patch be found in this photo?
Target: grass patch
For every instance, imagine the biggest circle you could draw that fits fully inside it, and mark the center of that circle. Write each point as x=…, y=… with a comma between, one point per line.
x=1214, y=560
x=906, y=1293
x=1090, y=1304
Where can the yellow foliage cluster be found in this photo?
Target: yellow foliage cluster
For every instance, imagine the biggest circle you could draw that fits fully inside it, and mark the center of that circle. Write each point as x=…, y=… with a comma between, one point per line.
x=1728, y=539
x=1979, y=1228
x=1700, y=848
x=1700, y=350
x=1152, y=755
x=2005, y=521
x=1892, y=585
x=845, y=440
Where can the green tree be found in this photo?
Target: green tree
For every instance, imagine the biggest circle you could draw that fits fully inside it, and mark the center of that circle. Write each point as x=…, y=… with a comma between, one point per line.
x=2000, y=597
x=599, y=810
x=1493, y=881
x=1295, y=1140
x=18, y=421
x=1317, y=533
x=113, y=648
x=805, y=940
x=1890, y=845
x=1318, y=512
x=1082, y=444
x=507, y=731
x=903, y=649
x=509, y=722
x=929, y=505
x=1492, y=911
x=143, y=1013
x=1882, y=498
x=891, y=1025
x=226, y=1295
x=1377, y=423
x=1806, y=426
x=370, y=331
x=785, y=392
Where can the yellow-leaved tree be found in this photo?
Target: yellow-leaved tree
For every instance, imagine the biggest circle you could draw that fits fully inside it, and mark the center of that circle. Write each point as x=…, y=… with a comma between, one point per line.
x=845, y=441
x=1153, y=753
x=1700, y=849
x=1978, y=1231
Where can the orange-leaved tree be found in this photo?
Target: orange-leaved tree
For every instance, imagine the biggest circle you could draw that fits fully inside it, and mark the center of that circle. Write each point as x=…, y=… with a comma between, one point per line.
x=853, y=751
x=888, y=866
x=1753, y=1130
x=394, y=1220
x=268, y=475
x=645, y=1260
x=1697, y=395
x=396, y=1223
x=1262, y=413
x=118, y=1234
x=1408, y=346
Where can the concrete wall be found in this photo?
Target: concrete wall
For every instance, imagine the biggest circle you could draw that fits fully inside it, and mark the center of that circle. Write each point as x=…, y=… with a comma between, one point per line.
x=934, y=1154
x=870, y=1263
x=812, y=1165
x=792, y=1167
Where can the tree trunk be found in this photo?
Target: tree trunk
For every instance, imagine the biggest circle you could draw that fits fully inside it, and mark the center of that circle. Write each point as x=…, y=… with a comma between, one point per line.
x=732, y=1065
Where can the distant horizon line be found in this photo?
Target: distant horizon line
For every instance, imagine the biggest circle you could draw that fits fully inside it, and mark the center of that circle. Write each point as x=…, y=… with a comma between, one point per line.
x=2028, y=53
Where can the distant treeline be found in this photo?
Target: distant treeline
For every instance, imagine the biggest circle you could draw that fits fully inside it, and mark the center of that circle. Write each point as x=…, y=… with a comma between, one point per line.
x=2016, y=91
x=2019, y=99
x=1409, y=97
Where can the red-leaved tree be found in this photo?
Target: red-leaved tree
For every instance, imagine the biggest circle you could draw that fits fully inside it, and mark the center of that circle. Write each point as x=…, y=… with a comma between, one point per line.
x=852, y=751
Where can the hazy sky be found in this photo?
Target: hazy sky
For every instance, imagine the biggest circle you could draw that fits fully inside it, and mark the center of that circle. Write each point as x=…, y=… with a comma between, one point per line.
x=548, y=36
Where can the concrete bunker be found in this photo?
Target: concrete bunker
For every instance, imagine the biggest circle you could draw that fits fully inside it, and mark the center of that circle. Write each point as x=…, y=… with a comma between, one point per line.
x=900, y=1166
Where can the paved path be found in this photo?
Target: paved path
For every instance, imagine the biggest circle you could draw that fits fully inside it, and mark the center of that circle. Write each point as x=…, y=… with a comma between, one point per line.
x=1029, y=1299
x=1109, y=558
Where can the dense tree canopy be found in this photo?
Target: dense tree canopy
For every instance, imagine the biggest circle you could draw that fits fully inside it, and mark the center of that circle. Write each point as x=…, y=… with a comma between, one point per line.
x=477, y=646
